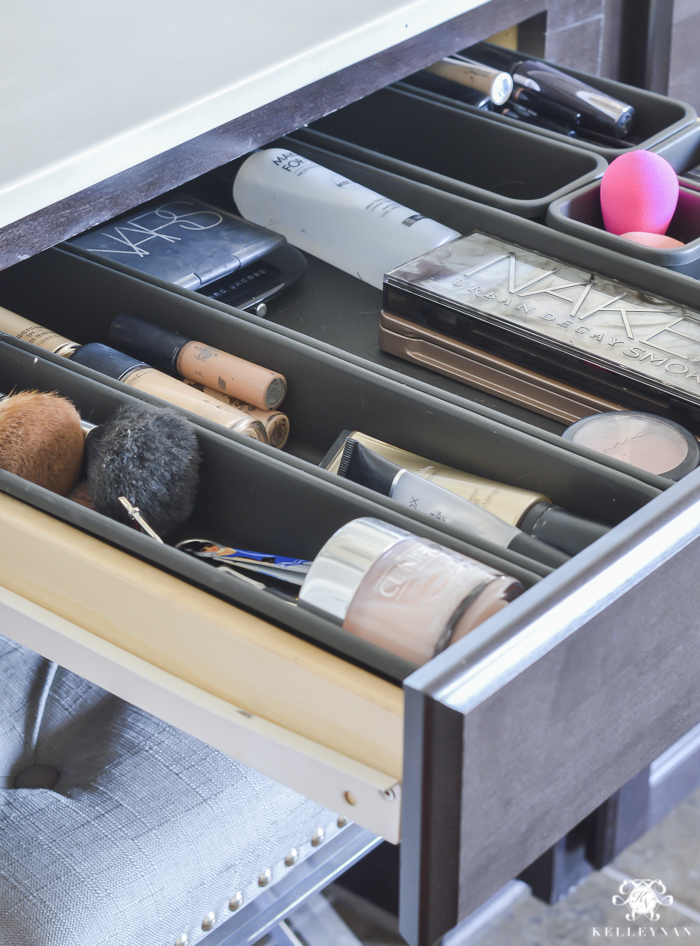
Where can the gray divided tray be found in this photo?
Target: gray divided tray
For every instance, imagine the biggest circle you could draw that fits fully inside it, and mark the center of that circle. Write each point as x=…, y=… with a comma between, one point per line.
x=682, y=151
x=256, y=497
x=579, y=214
x=432, y=142
x=657, y=117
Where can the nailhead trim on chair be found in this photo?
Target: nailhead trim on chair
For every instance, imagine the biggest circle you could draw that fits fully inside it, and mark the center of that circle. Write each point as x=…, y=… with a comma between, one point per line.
x=267, y=877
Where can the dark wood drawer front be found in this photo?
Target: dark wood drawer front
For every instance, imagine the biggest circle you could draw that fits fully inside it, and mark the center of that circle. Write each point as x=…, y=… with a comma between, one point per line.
x=515, y=736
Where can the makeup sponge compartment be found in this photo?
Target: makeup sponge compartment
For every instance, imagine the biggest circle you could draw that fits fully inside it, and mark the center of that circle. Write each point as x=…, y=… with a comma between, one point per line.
x=456, y=151
x=579, y=214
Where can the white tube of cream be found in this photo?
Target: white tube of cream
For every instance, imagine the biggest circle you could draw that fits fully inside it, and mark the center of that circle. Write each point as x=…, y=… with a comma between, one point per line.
x=331, y=217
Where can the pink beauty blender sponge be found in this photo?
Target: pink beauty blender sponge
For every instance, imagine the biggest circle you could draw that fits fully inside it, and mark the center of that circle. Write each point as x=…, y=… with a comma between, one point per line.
x=639, y=192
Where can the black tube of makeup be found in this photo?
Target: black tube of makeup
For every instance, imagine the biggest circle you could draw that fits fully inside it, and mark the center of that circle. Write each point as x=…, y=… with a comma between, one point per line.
x=599, y=111
x=545, y=105
x=522, y=114
x=543, y=520
x=364, y=466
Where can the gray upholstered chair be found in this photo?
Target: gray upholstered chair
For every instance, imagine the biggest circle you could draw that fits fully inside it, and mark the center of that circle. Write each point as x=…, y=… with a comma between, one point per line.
x=117, y=828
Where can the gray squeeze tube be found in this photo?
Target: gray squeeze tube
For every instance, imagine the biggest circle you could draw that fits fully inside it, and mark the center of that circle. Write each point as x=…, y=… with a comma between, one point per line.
x=367, y=468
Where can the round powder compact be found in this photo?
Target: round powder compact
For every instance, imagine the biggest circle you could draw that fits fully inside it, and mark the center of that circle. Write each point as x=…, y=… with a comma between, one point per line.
x=646, y=441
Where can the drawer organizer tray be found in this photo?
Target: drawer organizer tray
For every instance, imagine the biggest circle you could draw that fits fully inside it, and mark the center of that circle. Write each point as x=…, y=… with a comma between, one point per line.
x=505, y=167
x=580, y=215
x=517, y=732
x=656, y=119
x=682, y=151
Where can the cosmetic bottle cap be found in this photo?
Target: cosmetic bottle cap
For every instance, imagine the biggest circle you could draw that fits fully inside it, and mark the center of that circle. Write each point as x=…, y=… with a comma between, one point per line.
x=106, y=360
x=158, y=346
x=561, y=529
x=338, y=569
x=368, y=468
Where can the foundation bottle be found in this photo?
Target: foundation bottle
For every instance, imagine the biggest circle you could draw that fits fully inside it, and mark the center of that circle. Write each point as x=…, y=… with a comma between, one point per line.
x=212, y=368
x=410, y=596
x=141, y=376
x=276, y=423
x=19, y=327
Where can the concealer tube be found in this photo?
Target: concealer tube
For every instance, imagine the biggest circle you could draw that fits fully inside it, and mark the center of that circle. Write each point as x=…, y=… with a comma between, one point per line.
x=176, y=354
x=495, y=83
x=28, y=331
x=141, y=376
x=532, y=512
x=276, y=423
x=364, y=466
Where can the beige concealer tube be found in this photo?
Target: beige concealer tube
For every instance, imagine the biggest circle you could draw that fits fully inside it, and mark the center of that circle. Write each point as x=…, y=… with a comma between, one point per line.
x=138, y=375
x=212, y=368
x=276, y=423
x=28, y=331
x=509, y=503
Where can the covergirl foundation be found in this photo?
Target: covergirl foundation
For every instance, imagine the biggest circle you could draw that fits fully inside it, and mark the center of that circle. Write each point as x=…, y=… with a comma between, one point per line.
x=648, y=442
x=276, y=423
x=363, y=466
x=576, y=328
x=141, y=376
x=28, y=331
x=412, y=597
x=176, y=354
x=532, y=512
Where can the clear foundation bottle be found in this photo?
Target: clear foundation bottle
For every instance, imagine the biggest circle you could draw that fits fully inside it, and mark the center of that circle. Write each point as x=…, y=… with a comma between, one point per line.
x=401, y=592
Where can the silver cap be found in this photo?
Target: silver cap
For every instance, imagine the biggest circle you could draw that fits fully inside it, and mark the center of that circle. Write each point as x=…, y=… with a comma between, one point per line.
x=343, y=562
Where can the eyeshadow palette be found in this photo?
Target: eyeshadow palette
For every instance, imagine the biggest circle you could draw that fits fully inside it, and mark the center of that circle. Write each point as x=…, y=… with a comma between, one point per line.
x=571, y=325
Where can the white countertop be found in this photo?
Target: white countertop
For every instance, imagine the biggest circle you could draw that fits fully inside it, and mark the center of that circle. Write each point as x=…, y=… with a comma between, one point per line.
x=90, y=89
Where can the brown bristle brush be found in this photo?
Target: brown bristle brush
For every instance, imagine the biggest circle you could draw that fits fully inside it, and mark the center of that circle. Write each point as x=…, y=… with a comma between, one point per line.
x=41, y=440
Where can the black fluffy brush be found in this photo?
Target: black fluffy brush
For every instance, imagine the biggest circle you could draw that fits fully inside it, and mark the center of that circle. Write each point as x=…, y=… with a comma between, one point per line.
x=151, y=456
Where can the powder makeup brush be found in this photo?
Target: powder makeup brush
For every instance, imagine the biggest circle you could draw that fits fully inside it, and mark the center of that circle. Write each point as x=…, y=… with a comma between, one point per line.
x=41, y=439
x=148, y=456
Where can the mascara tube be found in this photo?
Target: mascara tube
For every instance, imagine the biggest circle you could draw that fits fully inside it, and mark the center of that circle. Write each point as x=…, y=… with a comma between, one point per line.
x=367, y=468
x=176, y=354
x=599, y=111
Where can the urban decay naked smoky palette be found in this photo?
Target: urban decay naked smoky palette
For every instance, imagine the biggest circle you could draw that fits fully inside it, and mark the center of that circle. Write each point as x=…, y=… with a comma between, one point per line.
x=562, y=340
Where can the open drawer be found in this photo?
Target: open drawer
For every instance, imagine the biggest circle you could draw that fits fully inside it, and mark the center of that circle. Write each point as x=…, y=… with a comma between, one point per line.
x=510, y=737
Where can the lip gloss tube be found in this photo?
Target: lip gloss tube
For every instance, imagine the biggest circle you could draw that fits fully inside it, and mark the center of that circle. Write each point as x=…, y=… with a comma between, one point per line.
x=276, y=423
x=143, y=377
x=176, y=354
x=28, y=331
